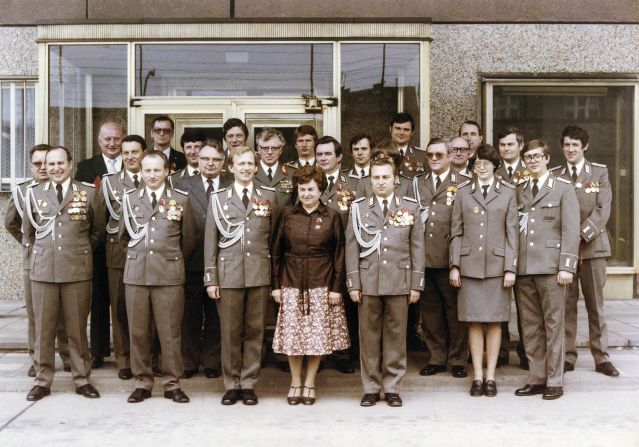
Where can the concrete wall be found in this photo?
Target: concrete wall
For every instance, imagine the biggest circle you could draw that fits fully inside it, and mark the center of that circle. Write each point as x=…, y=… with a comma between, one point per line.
x=18, y=51
x=10, y=260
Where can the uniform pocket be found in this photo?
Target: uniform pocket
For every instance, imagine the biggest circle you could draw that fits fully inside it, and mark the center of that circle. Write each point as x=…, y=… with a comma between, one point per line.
x=364, y=264
x=497, y=251
x=224, y=264
x=465, y=251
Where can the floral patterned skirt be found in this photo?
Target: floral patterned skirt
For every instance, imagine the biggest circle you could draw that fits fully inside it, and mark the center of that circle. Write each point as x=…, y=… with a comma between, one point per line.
x=309, y=325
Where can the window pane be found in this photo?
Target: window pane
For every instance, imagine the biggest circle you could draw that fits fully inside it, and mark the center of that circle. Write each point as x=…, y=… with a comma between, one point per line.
x=87, y=87
x=378, y=80
x=234, y=70
x=606, y=113
x=17, y=127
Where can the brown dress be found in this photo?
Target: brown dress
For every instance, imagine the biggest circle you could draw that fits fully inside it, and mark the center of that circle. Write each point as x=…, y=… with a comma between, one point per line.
x=308, y=262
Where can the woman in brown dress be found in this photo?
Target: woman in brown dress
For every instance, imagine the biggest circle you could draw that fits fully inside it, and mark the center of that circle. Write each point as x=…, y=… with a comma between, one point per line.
x=308, y=276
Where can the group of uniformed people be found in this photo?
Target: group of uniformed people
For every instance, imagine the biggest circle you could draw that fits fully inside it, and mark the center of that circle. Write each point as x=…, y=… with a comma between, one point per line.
x=179, y=245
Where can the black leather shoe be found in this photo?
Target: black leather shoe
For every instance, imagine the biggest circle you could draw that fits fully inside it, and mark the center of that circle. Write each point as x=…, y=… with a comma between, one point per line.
x=553, y=392
x=608, y=369
x=369, y=399
x=249, y=397
x=431, y=370
x=177, y=395
x=87, y=391
x=188, y=373
x=157, y=372
x=38, y=392
x=97, y=362
x=66, y=368
x=568, y=367
x=31, y=372
x=231, y=397
x=502, y=361
x=530, y=390
x=125, y=374
x=490, y=388
x=138, y=395
x=211, y=373
x=459, y=371
x=344, y=366
x=393, y=399
x=477, y=388
x=523, y=363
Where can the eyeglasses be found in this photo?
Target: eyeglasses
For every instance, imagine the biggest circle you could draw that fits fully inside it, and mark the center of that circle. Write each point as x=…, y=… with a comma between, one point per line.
x=435, y=155
x=211, y=160
x=270, y=148
x=459, y=150
x=162, y=130
x=536, y=157
x=483, y=164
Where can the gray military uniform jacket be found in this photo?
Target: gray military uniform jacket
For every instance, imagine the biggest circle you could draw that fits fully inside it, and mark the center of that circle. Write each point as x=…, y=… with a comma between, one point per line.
x=595, y=200
x=520, y=174
x=13, y=219
x=413, y=163
x=394, y=264
x=437, y=208
x=485, y=232
x=282, y=183
x=63, y=235
x=341, y=197
x=403, y=187
x=237, y=239
x=158, y=238
x=548, y=228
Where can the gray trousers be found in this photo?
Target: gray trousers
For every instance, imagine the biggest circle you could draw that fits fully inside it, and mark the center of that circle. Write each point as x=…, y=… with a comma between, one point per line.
x=382, y=342
x=73, y=301
x=446, y=336
x=242, y=320
x=542, y=303
x=592, y=277
x=163, y=305
x=119, y=320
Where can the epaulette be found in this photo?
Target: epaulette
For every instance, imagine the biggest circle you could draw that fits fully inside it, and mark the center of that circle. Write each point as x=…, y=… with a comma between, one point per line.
x=25, y=182
x=419, y=148
x=466, y=183
x=563, y=180
x=505, y=183
x=409, y=199
x=555, y=168
x=346, y=169
x=32, y=184
x=268, y=188
x=219, y=191
x=291, y=164
x=181, y=192
x=601, y=165
x=469, y=176
x=129, y=191
x=419, y=174
x=88, y=184
x=358, y=200
x=110, y=173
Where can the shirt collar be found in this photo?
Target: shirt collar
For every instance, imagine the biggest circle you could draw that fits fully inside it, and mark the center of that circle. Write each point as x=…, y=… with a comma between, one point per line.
x=65, y=186
x=158, y=193
x=167, y=152
x=190, y=170
x=131, y=174
x=239, y=189
x=216, y=182
x=389, y=199
x=441, y=176
x=541, y=180
x=273, y=168
x=511, y=165
x=335, y=175
x=579, y=166
x=358, y=170
x=118, y=162
x=311, y=161
x=489, y=183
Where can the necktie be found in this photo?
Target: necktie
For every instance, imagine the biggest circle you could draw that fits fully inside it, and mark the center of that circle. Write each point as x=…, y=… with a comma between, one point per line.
x=363, y=173
x=331, y=183
x=535, y=188
x=136, y=182
x=307, y=164
x=484, y=190
x=401, y=152
x=270, y=174
x=154, y=200
x=59, y=189
x=438, y=182
x=510, y=172
x=111, y=168
x=385, y=206
x=574, y=173
x=196, y=172
x=209, y=189
x=245, y=199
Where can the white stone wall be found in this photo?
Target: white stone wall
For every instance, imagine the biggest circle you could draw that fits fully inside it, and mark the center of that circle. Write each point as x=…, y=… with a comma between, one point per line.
x=18, y=51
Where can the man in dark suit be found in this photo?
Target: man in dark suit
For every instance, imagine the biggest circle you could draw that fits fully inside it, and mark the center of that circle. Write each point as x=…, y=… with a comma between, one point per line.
x=201, y=323
x=162, y=129
x=91, y=171
x=305, y=137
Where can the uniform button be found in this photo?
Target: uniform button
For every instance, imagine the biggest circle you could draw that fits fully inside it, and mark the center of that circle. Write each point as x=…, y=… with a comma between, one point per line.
x=481, y=224
x=153, y=218
x=176, y=258
x=111, y=240
x=532, y=231
x=532, y=209
x=532, y=220
x=385, y=238
x=152, y=229
x=128, y=257
x=385, y=249
x=329, y=200
x=558, y=245
x=248, y=242
x=433, y=213
x=248, y=230
x=384, y=261
x=227, y=216
x=531, y=244
x=59, y=248
x=152, y=241
x=59, y=224
x=59, y=213
x=483, y=212
x=27, y=245
x=247, y=218
x=59, y=236
x=432, y=224
x=481, y=248
x=430, y=235
x=434, y=203
x=221, y=259
x=248, y=254
x=151, y=252
x=385, y=227
x=481, y=236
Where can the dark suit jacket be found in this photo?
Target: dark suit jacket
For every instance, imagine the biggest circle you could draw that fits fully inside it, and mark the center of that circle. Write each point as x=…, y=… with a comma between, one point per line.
x=177, y=160
x=194, y=262
x=91, y=170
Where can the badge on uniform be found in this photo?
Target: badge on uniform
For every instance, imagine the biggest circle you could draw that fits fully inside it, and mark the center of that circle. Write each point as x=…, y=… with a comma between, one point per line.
x=476, y=210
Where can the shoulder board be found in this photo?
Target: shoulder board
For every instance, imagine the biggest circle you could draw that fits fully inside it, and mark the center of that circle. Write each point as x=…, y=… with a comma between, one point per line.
x=32, y=184
x=129, y=191
x=342, y=178
x=563, y=180
x=110, y=173
x=25, y=182
x=346, y=169
x=419, y=174
x=601, y=165
x=180, y=191
x=419, y=148
x=409, y=199
x=466, y=183
x=463, y=174
x=219, y=191
x=91, y=185
x=291, y=164
x=267, y=188
x=555, y=168
x=505, y=183
x=359, y=200
x=427, y=176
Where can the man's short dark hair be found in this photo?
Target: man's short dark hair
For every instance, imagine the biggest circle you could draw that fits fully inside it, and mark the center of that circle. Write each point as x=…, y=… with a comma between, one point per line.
x=534, y=144
x=133, y=138
x=359, y=137
x=54, y=148
x=305, y=129
x=234, y=122
x=472, y=123
x=36, y=148
x=192, y=136
x=163, y=118
x=575, y=133
x=403, y=117
x=328, y=139
x=503, y=133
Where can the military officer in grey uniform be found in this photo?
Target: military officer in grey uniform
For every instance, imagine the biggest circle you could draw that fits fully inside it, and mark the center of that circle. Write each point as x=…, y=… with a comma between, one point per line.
x=271, y=172
x=401, y=129
x=385, y=272
x=305, y=137
x=157, y=224
x=403, y=184
x=113, y=188
x=13, y=224
x=191, y=142
x=64, y=222
x=201, y=323
x=548, y=247
x=362, y=149
x=446, y=336
x=595, y=197
x=237, y=271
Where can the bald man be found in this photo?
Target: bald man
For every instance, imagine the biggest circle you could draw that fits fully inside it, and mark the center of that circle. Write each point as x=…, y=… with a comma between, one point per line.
x=109, y=160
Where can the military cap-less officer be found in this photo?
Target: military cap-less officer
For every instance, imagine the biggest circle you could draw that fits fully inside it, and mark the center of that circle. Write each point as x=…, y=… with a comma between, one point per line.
x=64, y=223
x=413, y=159
x=548, y=246
x=237, y=267
x=385, y=271
x=270, y=171
x=157, y=223
x=446, y=337
x=594, y=194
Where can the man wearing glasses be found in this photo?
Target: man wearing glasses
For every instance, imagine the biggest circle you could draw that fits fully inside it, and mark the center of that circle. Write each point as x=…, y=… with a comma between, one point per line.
x=162, y=129
x=201, y=323
x=459, y=154
x=548, y=248
x=271, y=172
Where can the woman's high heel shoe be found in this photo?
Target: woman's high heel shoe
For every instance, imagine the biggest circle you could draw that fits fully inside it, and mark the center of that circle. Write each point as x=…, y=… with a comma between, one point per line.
x=306, y=397
x=294, y=399
x=477, y=388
